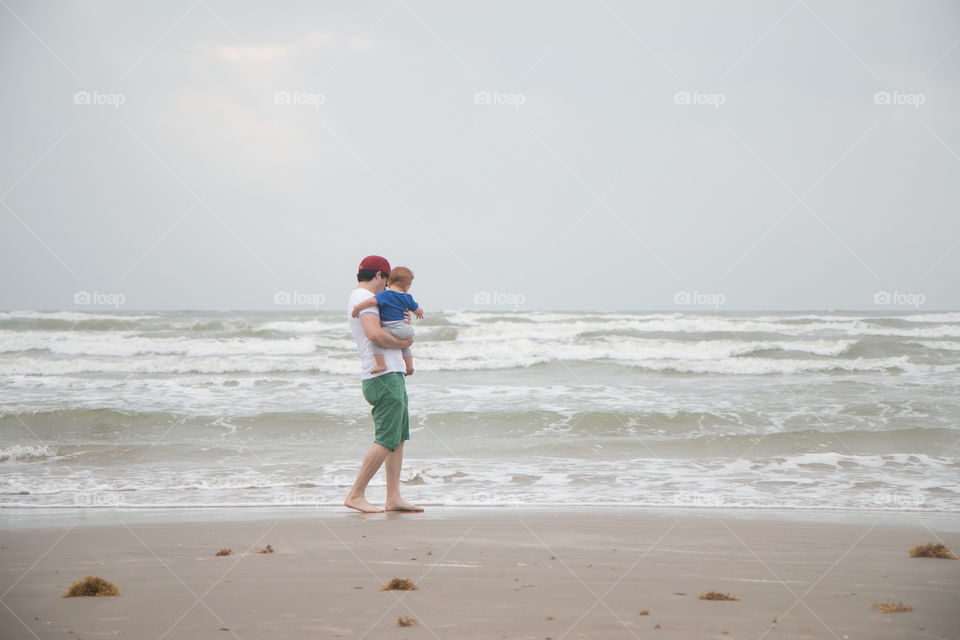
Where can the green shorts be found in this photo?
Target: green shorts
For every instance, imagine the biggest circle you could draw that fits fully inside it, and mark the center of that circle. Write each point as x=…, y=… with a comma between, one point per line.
x=388, y=395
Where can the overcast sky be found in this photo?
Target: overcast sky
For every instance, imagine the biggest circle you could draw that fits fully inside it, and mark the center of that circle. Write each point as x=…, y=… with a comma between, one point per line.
x=606, y=155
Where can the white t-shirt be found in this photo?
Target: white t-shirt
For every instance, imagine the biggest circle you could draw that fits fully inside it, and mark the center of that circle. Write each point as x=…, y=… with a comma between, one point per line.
x=393, y=358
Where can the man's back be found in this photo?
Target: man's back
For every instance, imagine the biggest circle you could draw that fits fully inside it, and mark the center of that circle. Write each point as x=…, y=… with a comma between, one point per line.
x=393, y=358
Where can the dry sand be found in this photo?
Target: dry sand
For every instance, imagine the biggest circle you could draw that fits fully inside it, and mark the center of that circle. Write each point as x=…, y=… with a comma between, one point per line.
x=481, y=573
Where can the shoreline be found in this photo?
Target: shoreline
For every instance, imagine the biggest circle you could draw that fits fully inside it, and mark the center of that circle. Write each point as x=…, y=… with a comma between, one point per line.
x=482, y=573
x=32, y=518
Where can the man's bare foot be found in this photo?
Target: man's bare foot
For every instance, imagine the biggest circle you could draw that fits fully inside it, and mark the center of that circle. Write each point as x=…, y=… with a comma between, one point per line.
x=409, y=371
x=361, y=504
x=379, y=368
x=402, y=505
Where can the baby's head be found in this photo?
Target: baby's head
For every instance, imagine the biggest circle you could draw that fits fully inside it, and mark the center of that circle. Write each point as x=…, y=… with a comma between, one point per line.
x=400, y=278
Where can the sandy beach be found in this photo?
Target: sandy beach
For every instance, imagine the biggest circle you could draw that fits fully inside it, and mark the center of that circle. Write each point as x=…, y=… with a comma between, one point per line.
x=481, y=573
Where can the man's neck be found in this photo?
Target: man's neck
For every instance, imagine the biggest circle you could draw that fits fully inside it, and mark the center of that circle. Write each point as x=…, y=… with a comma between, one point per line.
x=370, y=286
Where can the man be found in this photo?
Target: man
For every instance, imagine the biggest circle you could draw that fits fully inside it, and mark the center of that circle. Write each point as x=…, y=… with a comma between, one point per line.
x=386, y=391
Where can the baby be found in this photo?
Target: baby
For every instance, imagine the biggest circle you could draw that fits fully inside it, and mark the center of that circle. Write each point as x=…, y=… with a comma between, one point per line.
x=393, y=301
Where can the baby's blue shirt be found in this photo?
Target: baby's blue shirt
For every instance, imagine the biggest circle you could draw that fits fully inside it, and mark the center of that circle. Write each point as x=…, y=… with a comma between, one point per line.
x=393, y=304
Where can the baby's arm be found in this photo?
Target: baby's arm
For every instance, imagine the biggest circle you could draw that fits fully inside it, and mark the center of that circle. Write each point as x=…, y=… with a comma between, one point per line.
x=414, y=307
x=366, y=304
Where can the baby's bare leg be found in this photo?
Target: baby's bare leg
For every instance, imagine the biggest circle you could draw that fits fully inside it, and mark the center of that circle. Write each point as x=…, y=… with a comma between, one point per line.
x=402, y=331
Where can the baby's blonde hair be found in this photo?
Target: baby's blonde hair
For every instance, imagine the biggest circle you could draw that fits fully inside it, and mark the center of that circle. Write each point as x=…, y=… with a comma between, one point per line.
x=401, y=277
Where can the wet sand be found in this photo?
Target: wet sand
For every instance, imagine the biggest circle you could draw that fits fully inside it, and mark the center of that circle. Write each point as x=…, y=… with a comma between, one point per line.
x=481, y=573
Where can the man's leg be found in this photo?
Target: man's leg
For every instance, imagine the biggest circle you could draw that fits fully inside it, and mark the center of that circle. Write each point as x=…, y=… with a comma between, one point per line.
x=395, y=458
x=394, y=501
x=371, y=463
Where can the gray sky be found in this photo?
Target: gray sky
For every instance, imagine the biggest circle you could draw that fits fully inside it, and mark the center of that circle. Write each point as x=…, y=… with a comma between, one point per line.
x=592, y=155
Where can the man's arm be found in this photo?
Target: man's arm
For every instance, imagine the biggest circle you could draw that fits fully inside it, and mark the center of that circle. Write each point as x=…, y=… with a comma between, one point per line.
x=366, y=304
x=379, y=337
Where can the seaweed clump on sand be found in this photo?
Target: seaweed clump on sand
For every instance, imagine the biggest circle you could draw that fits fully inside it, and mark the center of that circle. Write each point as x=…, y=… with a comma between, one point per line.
x=931, y=550
x=224, y=552
x=892, y=607
x=406, y=622
x=266, y=549
x=399, y=584
x=716, y=595
x=91, y=586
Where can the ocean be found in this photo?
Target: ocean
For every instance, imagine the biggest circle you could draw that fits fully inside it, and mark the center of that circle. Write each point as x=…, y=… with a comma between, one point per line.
x=812, y=410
